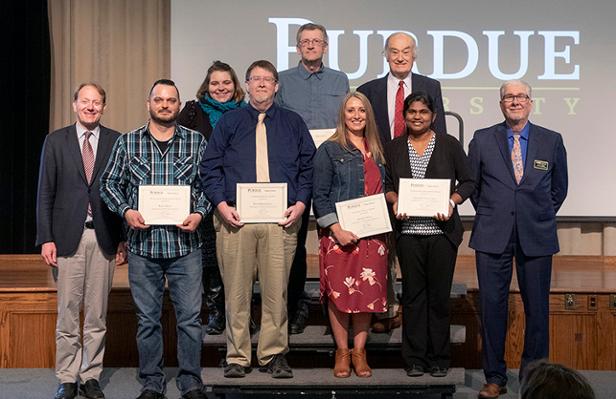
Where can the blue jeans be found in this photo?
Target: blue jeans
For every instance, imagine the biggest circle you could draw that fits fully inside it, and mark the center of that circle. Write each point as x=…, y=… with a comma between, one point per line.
x=147, y=284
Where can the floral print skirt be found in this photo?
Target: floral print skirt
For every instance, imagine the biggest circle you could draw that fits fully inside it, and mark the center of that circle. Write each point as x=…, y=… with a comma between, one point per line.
x=354, y=277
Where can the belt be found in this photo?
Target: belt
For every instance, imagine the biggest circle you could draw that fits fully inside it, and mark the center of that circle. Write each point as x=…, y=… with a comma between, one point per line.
x=89, y=224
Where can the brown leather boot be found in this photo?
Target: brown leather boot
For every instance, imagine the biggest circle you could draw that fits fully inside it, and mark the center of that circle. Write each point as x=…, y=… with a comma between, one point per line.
x=360, y=364
x=342, y=368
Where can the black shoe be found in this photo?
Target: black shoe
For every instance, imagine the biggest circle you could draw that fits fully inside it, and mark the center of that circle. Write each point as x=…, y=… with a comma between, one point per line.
x=278, y=367
x=215, y=323
x=194, y=394
x=91, y=390
x=234, y=370
x=148, y=394
x=298, y=320
x=439, y=371
x=415, y=371
x=68, y=390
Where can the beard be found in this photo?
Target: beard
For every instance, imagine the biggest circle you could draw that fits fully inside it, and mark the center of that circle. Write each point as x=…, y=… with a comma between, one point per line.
x=164, y=119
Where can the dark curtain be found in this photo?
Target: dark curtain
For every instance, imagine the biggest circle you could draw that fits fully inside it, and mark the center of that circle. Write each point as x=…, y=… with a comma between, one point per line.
x=24, y=118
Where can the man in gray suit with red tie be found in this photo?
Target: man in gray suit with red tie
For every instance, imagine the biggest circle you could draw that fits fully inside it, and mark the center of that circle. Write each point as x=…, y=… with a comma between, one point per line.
x=80, y=238
x=521, y=174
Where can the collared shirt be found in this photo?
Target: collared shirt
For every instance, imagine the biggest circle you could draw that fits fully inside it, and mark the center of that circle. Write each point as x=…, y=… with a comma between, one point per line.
x=230, y=155
x=81, y=136
x=136, y=160
x=316, y=96
x=523, y=140
x=392, y=89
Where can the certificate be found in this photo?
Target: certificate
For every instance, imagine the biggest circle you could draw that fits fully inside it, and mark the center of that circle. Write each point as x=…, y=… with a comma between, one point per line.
x=261, y=202
x=365, y=216
x=423, y=197
x=159, y=204
x=319, y=136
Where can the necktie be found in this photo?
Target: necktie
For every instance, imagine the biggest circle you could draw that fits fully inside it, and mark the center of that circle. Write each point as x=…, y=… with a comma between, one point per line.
x=87, y=155
x=261, y=156
x=398, y=117
x=516, y=159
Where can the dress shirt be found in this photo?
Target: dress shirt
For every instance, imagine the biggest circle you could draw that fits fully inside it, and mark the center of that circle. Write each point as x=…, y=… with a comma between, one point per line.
x=316, y=96
x=230, y=157
x=136, y=160
x=523, y=141
x=392, y=89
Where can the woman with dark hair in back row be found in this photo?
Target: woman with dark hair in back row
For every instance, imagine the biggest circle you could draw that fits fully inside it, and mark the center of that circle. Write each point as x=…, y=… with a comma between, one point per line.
x=220, y=92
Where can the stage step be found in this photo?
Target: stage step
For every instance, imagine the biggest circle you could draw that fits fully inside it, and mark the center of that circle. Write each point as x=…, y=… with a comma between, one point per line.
x=314, y=382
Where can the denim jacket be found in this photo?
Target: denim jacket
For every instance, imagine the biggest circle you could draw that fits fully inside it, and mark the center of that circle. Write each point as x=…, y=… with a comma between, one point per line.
x=338, y=176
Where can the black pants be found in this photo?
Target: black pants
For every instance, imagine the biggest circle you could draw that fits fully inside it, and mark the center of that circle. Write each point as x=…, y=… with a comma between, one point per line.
x=427, y=264
x=297, y=277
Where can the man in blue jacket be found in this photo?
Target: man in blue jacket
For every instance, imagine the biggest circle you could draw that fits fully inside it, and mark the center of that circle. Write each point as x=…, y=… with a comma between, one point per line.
x=521, y=174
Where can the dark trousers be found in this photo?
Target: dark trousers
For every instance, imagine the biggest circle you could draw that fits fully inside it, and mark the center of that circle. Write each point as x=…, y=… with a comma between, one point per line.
x=212, y=281
x=427, y=264
x=297, y=278
x=494, y=274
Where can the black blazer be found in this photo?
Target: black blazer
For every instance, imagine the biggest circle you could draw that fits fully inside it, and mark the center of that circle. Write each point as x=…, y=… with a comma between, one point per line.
x=376, y=91
x=448, y=161
x=63, y=194
x=193, y=117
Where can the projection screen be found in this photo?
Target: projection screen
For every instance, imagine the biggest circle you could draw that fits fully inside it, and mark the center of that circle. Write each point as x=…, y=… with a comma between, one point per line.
x=563, y=48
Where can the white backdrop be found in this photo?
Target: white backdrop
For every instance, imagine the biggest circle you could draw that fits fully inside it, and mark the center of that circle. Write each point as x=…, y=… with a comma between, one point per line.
x=564, y=50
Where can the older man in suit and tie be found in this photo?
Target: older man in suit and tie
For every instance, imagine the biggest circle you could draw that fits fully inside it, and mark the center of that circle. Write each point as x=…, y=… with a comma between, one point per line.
x=80, y=238
x=521, y=174
x=387, y=96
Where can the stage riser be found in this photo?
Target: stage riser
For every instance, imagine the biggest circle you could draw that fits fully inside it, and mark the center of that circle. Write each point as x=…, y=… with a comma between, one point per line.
x=583, y=337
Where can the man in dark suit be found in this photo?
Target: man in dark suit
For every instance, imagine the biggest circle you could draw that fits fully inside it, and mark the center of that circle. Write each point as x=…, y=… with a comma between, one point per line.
x=80, y=238
x=387, y=94
x=521, y=175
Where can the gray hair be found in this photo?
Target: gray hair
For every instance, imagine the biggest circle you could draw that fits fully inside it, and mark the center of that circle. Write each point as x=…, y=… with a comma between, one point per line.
x=402, y=34
x=529, y=89
x=311, y=26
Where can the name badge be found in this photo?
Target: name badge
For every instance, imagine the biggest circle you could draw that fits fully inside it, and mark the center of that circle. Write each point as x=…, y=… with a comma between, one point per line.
x=541, y=165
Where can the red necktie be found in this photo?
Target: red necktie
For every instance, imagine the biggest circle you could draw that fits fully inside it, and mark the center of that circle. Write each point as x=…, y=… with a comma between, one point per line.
x=398, y=117
x=87, y=154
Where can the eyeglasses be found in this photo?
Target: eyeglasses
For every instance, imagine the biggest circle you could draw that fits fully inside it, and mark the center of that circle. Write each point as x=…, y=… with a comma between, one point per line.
x=259, y=79
x=94, y=103
x=314, y=42
x=521, y=98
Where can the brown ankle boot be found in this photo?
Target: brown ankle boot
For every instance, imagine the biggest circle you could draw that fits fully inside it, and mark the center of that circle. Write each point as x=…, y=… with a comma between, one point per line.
x=342, y=368
x=360, y=364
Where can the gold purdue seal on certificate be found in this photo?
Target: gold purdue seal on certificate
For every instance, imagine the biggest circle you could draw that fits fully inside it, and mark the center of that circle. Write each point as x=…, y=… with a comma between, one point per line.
x=164, y=205
x=261, y=202
x=365, y=216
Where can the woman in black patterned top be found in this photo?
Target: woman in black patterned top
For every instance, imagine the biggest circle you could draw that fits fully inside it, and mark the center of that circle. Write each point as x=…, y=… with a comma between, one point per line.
x=427, y=247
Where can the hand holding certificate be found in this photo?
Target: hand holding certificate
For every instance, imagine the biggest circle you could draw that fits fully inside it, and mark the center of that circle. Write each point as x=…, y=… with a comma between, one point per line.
x=261, y=202
x=423, y=197
x=164, y=205
x=365, y=216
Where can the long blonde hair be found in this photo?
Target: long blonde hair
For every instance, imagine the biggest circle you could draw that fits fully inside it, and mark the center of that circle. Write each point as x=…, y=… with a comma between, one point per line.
x=371, y=133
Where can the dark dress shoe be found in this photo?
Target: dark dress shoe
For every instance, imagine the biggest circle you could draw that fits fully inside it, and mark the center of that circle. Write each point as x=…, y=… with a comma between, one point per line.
x=194, y=394
x=415, y=371
x=91, y=390
x=234, y=370
x=491, y=391
x=68, y=390
x=278, y=367
x=439, y=371
x=148, y=394
x=215, y=323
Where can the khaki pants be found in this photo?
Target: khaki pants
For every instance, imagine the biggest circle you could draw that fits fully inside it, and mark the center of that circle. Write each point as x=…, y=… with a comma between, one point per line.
x=84, y=278
x=272, y=249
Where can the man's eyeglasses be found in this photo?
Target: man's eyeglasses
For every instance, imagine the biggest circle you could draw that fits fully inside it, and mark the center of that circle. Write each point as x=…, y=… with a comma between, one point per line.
x=521, y=98
x=259, y=79
x=314, y=42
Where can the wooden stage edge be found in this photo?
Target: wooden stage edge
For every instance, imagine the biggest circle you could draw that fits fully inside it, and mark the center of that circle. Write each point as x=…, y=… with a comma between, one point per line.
x=582, y=315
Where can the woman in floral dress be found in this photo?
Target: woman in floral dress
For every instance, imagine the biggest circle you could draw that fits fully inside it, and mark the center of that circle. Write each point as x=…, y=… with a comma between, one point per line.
x=353, y=271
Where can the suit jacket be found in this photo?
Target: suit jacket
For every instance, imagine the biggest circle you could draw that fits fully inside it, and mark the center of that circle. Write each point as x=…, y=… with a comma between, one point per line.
x=448, y=161
x=376, y=91
x=500, y=203
x=63, y=193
